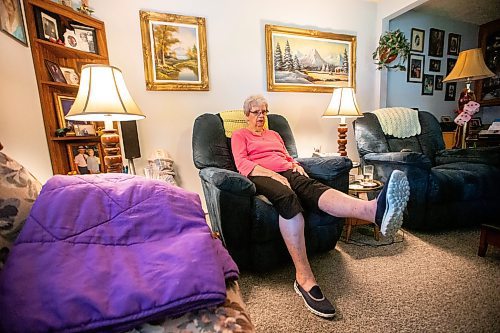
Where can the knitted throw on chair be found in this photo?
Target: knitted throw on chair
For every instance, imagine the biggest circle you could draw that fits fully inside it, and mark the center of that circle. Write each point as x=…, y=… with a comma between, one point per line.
x=399, y=122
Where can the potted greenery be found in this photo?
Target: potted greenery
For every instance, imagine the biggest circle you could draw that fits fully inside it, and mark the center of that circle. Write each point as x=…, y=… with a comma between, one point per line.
x=391, y=45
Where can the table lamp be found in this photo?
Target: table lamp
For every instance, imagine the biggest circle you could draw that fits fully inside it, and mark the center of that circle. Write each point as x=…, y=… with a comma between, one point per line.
x=343, y=105
x=469, y=67
x=103, y=96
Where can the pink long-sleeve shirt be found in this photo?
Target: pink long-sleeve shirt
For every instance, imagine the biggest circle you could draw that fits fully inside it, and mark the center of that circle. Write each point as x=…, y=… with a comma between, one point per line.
x=268, y=151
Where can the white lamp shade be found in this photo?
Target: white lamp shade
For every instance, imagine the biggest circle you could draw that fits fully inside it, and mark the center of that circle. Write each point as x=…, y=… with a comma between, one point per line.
x=470, y=66
x=343, y=104
x=103, y=96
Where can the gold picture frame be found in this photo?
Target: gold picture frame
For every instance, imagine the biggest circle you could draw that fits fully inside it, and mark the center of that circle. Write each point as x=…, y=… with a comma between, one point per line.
x=184, y=66
x=301, y=75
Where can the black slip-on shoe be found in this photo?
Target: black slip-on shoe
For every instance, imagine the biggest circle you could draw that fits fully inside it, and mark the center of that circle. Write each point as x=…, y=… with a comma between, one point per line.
x=391, y=203
x=315, y=301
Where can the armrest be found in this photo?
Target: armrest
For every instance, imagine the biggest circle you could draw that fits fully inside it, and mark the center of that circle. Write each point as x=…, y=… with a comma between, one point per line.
x=325, y=168
x=408, y=159
x=227, y=180
x=484, y=155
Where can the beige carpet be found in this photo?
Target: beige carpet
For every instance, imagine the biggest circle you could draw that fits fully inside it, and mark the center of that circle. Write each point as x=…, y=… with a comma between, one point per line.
x=423, y=283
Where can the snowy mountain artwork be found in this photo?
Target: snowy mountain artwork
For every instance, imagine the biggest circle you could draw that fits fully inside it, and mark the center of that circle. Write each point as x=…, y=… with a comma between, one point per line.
x=308, y=60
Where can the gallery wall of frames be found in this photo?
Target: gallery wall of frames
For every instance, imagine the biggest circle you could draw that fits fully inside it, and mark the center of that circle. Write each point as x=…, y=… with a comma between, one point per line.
x=430, y=68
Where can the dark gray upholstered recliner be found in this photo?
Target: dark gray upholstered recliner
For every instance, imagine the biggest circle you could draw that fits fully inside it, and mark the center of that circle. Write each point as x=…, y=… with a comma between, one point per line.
x=247, y=224
x=448, y=188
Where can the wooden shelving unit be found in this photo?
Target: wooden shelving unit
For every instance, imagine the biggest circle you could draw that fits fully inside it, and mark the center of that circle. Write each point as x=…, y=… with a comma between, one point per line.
x=64, y=56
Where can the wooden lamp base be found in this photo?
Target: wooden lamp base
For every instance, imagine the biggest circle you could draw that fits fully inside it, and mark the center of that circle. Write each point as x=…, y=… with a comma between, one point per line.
x=342, y=141
x=110, y=141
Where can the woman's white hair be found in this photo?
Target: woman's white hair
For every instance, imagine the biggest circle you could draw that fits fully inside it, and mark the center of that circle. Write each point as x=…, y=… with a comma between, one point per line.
x=251, y=101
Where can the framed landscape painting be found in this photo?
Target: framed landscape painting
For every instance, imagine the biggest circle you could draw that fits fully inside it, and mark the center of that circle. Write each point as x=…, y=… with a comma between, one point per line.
x=175, y=51
x=309, y=60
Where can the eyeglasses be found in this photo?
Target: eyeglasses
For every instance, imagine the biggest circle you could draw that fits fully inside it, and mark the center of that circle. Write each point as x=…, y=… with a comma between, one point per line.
x=260, y=112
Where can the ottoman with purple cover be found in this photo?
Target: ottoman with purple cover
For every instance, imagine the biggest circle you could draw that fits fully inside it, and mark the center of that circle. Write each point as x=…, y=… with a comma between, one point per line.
x=109, y=253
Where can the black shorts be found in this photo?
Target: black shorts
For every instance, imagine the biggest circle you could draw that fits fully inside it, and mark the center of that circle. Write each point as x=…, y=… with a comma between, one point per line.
x=305, y=192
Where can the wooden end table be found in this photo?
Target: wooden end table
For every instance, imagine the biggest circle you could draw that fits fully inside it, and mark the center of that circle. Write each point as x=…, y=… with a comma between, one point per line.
x=361, y=192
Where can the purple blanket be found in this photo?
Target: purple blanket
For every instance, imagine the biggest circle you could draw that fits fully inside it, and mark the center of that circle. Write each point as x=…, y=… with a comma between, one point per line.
x=106, y=252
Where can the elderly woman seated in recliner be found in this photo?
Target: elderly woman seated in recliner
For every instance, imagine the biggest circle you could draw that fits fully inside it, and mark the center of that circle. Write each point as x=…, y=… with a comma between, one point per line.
x=261, y=155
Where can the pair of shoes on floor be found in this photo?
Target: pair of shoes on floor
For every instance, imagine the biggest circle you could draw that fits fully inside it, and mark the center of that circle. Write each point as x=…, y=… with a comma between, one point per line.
x=391, y=203
x=315, y=301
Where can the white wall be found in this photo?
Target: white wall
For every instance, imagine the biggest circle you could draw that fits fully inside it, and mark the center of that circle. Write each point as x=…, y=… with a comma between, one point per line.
x=21, y=124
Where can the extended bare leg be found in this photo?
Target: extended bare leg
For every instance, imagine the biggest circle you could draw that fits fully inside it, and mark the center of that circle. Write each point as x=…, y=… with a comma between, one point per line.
x=292, y=231
x=339, y=204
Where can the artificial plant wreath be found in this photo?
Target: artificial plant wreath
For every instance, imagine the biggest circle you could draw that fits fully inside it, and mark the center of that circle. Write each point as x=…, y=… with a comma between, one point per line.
x=391, y=45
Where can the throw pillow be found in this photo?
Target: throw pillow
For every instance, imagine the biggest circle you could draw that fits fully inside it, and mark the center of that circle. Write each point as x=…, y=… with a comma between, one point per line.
x=18, y=191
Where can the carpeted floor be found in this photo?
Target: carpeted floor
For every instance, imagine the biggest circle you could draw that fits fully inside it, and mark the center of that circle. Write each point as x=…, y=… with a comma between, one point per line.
x=421, y=283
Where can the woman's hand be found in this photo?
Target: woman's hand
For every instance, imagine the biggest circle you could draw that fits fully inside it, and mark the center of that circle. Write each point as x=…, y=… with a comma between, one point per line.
x=299, y=169
x=281, y=179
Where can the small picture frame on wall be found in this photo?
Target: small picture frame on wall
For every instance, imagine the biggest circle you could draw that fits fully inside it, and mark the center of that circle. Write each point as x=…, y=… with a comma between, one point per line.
x=12, y=20
x=417, y=40
x=454, y=44
x=438, y=85
x=450, y=63
x=55, y=71
x=450, y=91
x=415, y=67
x=436, y=42
x=434, y=65
x=428, y=84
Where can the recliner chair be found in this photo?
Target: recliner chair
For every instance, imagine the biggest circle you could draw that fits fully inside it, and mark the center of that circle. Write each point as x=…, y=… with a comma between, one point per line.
x=247, y=222
x=448, y=188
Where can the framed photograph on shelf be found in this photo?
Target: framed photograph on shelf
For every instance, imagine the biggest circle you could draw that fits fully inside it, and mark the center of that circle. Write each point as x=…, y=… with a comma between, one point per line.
x=446, y=119
x=475, y=122
x=450, y=91
x=436, y=42
x=175, y=51
x=85, y=38
x=417, y=40
x=434, y=65
x=415, y=67
x=450, y=63
x=309, y=60
x=428, y=84
x=55, y=71
x=454, y=44
x=70, y=75
x=85, y=157
x=488, y=90
x=85, y=129
x=70, y=39
x=63, y=104
x=12, y=21
x=438, y=85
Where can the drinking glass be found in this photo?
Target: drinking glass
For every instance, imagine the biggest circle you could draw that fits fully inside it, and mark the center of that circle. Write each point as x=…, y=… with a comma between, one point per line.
x=151, y=172
x=368, y=174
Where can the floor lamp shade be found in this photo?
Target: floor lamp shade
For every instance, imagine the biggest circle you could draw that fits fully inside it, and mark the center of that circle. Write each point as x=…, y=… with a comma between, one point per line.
x=343, y=105
x=103, y=96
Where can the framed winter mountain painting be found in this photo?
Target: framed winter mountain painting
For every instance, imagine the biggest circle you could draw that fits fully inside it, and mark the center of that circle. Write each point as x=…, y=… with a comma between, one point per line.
x=309, y=60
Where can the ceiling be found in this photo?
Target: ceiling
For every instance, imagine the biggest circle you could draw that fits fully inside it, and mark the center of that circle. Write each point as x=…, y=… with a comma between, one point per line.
x=476, y=11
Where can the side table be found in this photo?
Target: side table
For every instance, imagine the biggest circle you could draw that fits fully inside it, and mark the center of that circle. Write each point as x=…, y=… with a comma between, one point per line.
x=360, y=191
